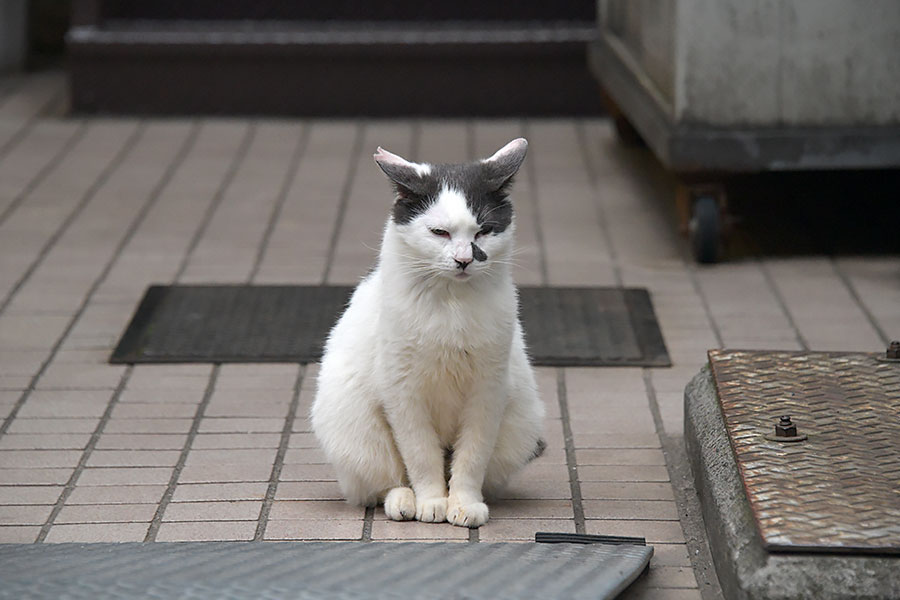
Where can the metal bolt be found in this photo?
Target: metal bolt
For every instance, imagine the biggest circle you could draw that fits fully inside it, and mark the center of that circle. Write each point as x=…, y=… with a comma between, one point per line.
x=893, y=350
x=785, y=427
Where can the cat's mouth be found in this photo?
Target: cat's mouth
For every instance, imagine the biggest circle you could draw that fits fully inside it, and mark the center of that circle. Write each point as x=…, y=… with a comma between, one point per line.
x=462, y=275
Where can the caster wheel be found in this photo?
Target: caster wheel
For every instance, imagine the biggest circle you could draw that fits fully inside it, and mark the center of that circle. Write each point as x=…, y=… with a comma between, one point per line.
x=706, y=229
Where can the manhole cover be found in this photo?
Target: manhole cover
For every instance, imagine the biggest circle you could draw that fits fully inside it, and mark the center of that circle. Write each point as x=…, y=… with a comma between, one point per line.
x=837, y=491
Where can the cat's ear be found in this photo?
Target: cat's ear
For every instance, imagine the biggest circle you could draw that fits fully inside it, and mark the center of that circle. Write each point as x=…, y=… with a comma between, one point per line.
x=505, y=162
x=405, y=174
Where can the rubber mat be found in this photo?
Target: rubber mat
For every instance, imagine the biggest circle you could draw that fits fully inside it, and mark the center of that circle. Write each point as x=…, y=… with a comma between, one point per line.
x=227, y=323
x=308, y=570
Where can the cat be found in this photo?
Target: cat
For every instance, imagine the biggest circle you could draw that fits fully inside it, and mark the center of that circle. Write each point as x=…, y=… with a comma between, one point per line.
x=428, y=362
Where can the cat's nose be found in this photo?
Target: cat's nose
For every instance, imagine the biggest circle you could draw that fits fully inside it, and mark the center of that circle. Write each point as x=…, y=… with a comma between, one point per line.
x=462, y=264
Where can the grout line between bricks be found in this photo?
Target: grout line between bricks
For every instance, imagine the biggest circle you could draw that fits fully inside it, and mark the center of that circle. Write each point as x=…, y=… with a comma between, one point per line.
x=182, y=458
x=344, y=199
x=571, y=462
x=239, y=157
x=770, y=281
x=368, y=520
x=704, y=301
x=29, y=124
x=290, y=175
x=602, y=218
x=885, y=338
x=279, y=458
x=689, y=516
x=531, y=177
x=85, y=456
x=39, y=177
x=86, y=199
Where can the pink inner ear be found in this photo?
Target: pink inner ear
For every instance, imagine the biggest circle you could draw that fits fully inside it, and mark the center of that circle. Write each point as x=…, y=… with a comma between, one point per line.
x=382, y=155
x=515, y=146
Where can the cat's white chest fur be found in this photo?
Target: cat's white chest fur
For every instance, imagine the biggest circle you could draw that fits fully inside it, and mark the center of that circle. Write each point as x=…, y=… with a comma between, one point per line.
x=429, y=358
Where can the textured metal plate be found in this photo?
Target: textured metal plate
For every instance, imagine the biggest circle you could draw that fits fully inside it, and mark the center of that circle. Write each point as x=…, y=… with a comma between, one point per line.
x=838, y=491
x=318, y=570
x=240, y=323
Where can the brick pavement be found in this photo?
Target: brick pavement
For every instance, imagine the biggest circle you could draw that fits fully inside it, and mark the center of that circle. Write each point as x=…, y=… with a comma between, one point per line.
x=92, y=211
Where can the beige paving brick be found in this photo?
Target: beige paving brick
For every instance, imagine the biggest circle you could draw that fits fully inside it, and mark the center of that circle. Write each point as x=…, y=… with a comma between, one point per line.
x=246, y=472
x=126, y=494
x=50, y=441
x=639, y=591
x=157, y=441
x=541, y=471
x=496, y=530
x=29, y=494
x=157, y=396
x=631, y=509
x=138, y=410
x=606, y=490
x=670, y=555
x=128, y=426
x=247, y=407
x=412, y=530
x=125, y=475
x=241, y=425
x=305, y=456
x=670, y=577
x=236, y=440
x=84, y=377
x=170, y=377
x=18, y=534
x=663, y=532
x=98, y=532
x=205, y=492
x=52, y=426
x=313, y=529
x=38, y=459
x=24, y=514
x=291, y=510
x=309, y=490
x=531, y=509
x=34, y=476
x=536, y=490
x=620, y=456
x=303, y=440
x=213, y=511
x=133, y=458
x=207, y=531
x=622, y=473
x=56, y=404
x=107, y=513
x=246, y=456
x=300, y=472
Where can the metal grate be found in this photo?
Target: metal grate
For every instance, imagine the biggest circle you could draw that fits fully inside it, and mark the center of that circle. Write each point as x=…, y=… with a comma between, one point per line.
x=319, y=570
x=839, y=490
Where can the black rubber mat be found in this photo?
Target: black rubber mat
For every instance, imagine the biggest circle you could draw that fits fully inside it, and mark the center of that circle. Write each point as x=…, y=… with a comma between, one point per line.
x=239, y=323
x=312, y=570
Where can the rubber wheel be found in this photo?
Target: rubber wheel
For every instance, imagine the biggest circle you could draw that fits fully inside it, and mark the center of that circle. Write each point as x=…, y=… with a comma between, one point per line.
x=706, y=229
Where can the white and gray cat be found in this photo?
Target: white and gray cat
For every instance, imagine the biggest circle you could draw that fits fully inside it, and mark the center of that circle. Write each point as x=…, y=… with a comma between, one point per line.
x=428, y=362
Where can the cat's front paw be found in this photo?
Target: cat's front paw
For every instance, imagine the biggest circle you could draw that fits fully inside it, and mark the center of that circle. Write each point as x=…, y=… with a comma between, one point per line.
x=400, y=504
x=432, y=510
x=468, y=515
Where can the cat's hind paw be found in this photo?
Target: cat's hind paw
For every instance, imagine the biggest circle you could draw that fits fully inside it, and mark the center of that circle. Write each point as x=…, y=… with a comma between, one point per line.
x=400, y=504
x=432, y=510
x=468, y=515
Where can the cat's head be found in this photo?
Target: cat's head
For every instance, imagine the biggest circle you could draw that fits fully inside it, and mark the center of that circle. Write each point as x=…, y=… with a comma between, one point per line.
x=455, y=220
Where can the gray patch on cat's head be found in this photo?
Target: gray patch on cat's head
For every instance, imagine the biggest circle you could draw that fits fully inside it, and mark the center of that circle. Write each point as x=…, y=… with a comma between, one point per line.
x=484, y=183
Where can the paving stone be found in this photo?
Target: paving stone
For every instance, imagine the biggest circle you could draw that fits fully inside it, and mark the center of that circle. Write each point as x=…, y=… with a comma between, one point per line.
x=128, y=426
x=104, y=494
x=207, y=531
x=24, y=514
x=291, y=510
x=38, y=459
x=236, y=440
x=305, y=456
x=18, y=534
x=301, y=472
x=213, y=511
x=309, y=490
x=664, y=532
x=133, y=458
x=247, y=456
x=29, y=494
x=620, y=456
x=241, y=425
x=98, y=532
x=157, y=441
x=49, y=441
x=313, y=529
x=225, y=473
x=412, y=530
x=497, y=530
x=531, y=509
x=107, y=513
x=622, y=473
x=205, y=492
x=631, y=509
x=606, y=490
x=125, y=475
x=34, y=476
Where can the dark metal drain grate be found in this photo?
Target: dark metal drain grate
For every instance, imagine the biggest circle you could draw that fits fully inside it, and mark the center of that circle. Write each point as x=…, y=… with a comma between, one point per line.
x=229, y=323
x=838, y=490
x=312, y=570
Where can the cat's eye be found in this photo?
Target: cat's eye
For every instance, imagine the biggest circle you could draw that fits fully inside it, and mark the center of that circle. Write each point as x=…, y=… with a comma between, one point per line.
x=484, y=231
x=441, y=232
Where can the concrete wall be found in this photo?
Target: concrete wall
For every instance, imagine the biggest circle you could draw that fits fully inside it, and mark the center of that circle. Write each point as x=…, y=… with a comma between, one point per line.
x=768, y=62
x=12, y=34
